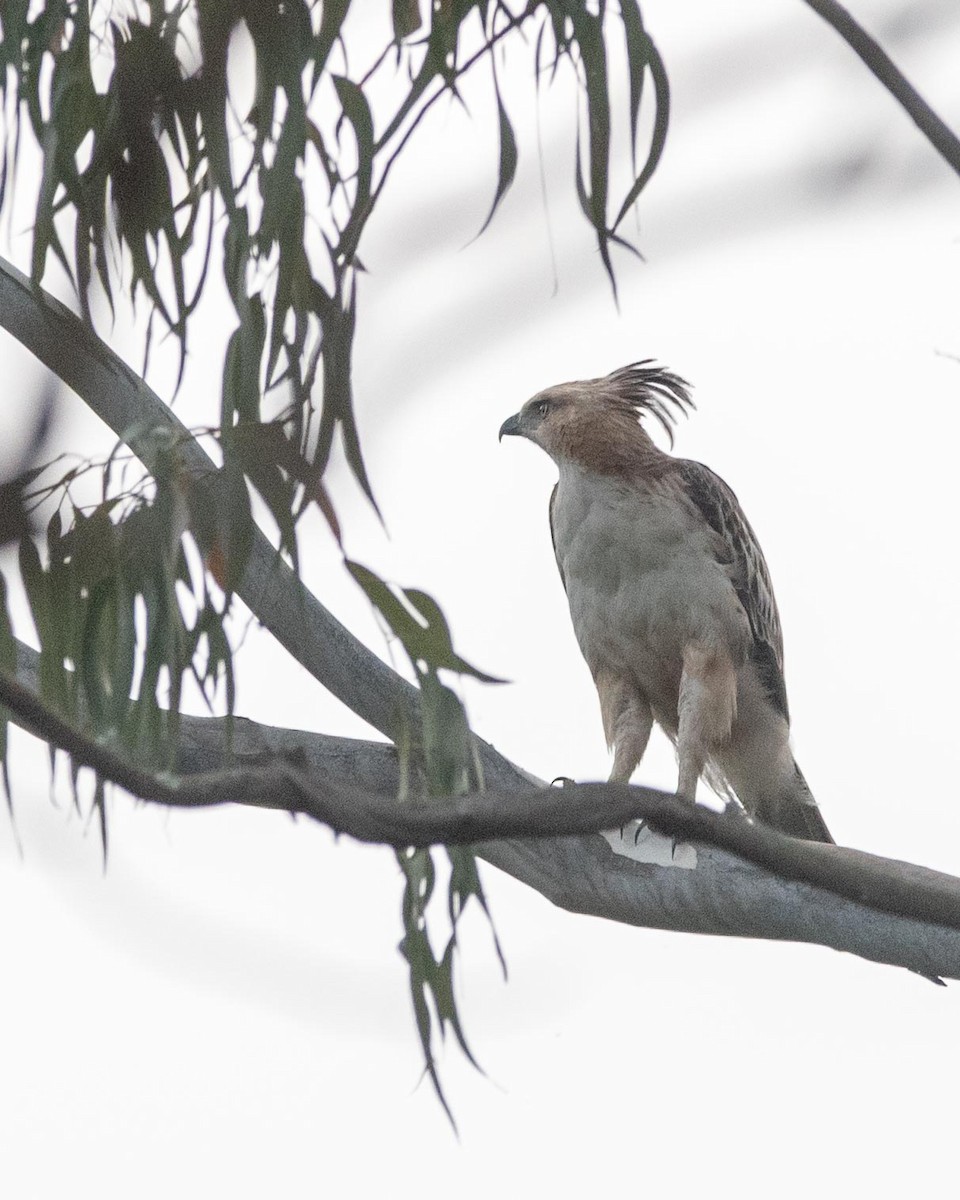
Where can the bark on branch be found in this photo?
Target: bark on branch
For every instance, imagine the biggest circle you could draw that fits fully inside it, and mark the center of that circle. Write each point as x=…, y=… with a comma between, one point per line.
x=285, y=783
x=726, y=876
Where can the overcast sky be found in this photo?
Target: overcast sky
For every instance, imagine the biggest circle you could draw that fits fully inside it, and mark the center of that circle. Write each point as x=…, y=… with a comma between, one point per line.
x=224, y=1013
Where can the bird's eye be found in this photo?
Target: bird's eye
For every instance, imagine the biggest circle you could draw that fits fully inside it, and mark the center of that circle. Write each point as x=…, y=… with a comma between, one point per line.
x=542, y=408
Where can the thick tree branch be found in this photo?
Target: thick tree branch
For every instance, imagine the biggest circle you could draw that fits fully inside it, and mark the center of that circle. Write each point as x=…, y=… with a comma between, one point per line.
x=286, y=784
x=728, y=876
x=872, y=54
x=747, y=881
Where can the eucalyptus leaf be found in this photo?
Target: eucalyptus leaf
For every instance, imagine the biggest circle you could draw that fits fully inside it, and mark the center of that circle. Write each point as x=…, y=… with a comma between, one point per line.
x=508, y=160
x=658, y=140
x=419, y=624
x=406, y=18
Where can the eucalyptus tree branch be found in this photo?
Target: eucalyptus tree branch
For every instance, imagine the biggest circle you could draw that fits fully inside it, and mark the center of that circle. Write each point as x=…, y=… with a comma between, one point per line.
x=270, y=588
x=876, y=59
x=285, y=784
x=727, y=876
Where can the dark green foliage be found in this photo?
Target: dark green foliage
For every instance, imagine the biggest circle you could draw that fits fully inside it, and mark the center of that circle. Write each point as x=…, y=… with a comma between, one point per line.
x=144, y=149
x=145, y=152
x=122, y=608
x=443, y=754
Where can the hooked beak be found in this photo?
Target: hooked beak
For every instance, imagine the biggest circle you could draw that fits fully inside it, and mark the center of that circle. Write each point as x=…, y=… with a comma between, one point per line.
x=510, y=427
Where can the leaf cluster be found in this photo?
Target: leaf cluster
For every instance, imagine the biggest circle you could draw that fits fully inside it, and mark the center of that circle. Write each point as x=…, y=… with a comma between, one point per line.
x=143, y=149
x=151, y=172
x=445, y=757
x=125, y=613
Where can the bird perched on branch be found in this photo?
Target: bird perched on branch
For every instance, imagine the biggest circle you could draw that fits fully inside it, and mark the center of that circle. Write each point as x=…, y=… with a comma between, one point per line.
x=669, y=593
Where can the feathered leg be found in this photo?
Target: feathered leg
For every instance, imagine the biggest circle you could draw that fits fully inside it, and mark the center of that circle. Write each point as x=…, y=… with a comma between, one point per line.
x=630, y=742
x=706, y=711
x=627, y=722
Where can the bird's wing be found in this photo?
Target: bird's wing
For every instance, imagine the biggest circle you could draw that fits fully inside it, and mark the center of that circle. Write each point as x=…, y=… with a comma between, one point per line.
x=749, y=574
x=553, y=535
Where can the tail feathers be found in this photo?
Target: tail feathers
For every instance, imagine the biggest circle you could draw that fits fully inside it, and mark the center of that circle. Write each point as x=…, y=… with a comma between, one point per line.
x=795, y=811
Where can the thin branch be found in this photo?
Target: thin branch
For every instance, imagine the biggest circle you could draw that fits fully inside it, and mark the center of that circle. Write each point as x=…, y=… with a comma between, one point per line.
x=515, y=22
x=872, y=54
x=427, y=76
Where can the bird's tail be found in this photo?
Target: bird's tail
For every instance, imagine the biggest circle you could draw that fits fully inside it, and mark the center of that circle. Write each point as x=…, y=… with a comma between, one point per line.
x=793, y=810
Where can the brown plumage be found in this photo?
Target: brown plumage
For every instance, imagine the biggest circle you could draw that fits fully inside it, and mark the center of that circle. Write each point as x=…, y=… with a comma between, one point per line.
x=669, y=594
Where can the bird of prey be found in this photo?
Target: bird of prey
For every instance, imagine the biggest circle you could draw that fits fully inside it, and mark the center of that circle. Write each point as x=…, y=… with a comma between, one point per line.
x=669, y=594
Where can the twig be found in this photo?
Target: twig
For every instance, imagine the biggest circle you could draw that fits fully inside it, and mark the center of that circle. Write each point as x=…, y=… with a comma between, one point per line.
x=872, y=54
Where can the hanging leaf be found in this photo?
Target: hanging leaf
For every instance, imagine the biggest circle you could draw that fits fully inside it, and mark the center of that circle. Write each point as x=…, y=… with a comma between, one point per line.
x=356, y=110
x=406, y=18
x=508, y=159
x=588, y=31
x=418, y=622
x=447, y=741
x=419, y=877
x=637, y=42
x=661, y=86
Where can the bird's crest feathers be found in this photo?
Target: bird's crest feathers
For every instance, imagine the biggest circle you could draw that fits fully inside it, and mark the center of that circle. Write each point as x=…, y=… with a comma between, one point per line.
x=645, y=387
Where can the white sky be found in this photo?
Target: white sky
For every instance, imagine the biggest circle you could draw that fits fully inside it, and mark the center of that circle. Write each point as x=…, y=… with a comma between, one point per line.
x=224, y=1011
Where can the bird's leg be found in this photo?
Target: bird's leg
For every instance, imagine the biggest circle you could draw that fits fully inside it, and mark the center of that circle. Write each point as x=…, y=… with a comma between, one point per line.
x=627, y=722
x=691, y=768
x=631, y=732
x=707, y=707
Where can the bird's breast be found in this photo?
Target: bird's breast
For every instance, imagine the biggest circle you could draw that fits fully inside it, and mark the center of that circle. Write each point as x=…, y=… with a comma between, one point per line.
x=642, y=577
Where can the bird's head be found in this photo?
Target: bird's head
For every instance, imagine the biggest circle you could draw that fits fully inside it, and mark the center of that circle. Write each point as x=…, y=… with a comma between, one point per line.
x=542, y=417
x=596, y=421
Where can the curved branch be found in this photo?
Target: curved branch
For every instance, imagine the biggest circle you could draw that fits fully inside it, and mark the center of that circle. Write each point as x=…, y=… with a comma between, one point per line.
x=872, y=54
x=744, y=881
x=285, y=784
x=727, y=877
